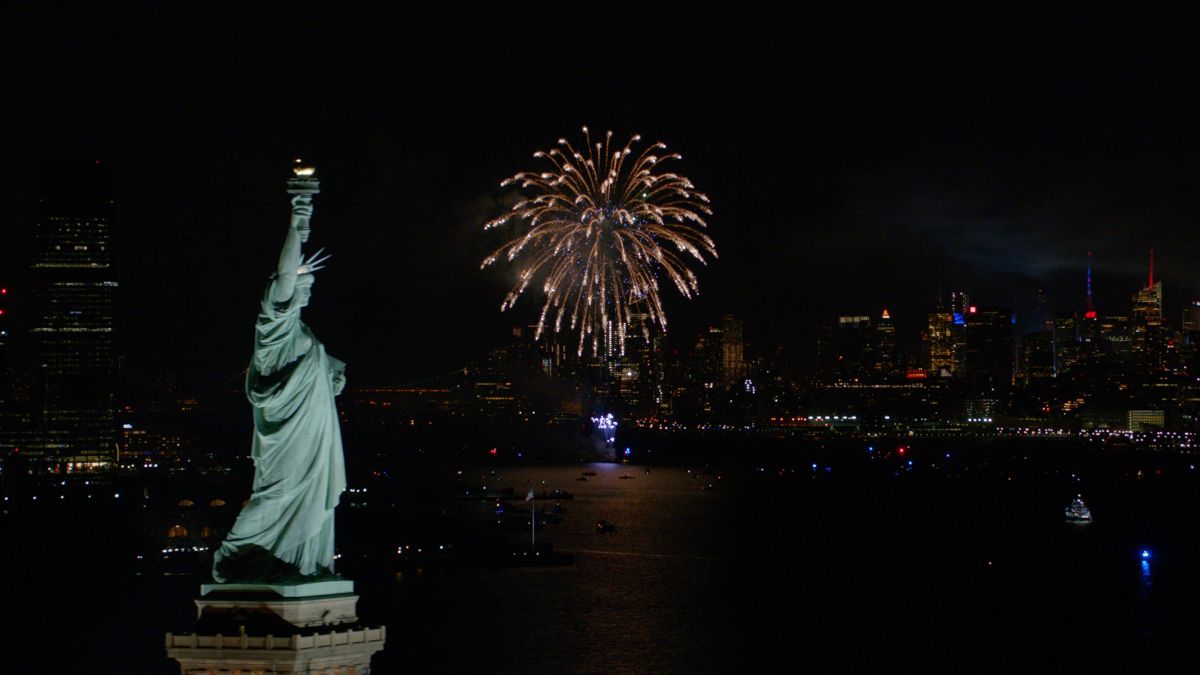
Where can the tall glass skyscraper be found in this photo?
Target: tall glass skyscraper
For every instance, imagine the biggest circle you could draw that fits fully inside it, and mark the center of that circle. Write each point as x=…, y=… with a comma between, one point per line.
x=3, y=335
x=989, y=346
x=73, y=329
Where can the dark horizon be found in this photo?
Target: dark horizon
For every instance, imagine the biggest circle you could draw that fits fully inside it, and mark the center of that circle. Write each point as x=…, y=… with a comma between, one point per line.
x=855, y=162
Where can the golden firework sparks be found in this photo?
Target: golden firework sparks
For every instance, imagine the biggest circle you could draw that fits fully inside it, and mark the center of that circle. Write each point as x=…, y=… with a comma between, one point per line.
x=597, y=229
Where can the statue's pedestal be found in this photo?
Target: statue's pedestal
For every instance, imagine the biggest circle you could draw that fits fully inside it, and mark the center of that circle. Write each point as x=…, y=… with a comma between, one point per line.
x=267, y=628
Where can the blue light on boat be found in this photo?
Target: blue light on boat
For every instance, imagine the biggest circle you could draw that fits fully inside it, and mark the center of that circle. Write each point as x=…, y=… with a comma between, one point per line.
x=628, y=452
x=1145, y=554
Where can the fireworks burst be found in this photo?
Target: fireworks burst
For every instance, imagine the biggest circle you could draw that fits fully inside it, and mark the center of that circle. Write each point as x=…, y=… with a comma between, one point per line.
x=597, y=229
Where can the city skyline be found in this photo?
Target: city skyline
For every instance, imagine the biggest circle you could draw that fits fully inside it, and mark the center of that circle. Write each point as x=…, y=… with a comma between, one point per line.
x=910, y=345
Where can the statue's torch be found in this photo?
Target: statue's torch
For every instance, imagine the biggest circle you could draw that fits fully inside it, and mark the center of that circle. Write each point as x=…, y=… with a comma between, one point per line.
x=304, y=180
x=302, y=186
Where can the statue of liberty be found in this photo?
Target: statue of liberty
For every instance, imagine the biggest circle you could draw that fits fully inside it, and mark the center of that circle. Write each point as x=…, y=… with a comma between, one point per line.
x=284, y=533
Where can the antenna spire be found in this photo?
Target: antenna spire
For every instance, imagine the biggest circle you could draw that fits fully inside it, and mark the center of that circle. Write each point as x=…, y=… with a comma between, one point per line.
x=1151, y=266
x=1089, y=282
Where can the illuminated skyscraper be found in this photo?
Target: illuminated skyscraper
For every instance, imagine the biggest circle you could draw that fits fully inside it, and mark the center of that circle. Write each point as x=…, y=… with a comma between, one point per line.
x=1191, y=332
x=960, y=303
x=1148, y=319
x=637, y=372
x=1115, y=335
x=1191, y=317
x=733, y=346
x=1066, y=341
x=886, y=359
x=960, y=306
x=74, y=319
x=3, y=333
x=940, y=341
x=1089, y=326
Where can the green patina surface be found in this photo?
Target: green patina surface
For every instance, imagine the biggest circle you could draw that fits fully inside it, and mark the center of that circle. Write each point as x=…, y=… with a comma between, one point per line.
x=304, y=590
x=284, y=533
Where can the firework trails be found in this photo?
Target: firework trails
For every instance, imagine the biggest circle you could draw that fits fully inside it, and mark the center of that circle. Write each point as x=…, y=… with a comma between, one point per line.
x=597, y=229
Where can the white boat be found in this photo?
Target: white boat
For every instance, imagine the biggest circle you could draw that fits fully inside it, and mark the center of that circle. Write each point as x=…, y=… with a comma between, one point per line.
x=1078, y=512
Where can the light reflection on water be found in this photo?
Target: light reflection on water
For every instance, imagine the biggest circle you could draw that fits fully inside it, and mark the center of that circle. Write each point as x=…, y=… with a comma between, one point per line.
x=823, y=574
x=644, y=598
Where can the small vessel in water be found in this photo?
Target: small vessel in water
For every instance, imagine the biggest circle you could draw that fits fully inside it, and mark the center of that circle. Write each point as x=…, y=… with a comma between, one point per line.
x=538, y=555
x=604, y=527
x=1078, y=513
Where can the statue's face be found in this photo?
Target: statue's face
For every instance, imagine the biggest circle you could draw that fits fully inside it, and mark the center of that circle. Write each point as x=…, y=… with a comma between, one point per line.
x=304, y=292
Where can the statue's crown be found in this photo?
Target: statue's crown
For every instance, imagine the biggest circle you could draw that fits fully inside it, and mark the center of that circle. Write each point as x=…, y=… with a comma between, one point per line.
x=314, y=262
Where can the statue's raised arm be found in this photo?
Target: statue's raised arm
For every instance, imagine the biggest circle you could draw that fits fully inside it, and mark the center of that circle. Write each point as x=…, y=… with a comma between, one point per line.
x=302, y=188
x=289, y=258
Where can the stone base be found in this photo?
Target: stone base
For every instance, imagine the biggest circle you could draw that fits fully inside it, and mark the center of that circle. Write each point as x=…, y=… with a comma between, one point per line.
x=322, y=603
x=245, y=628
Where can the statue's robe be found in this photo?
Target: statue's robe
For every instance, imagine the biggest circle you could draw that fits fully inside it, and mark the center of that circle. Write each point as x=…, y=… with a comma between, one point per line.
x=285, y=531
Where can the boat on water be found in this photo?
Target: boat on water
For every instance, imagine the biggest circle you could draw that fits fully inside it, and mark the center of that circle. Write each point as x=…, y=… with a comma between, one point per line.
x=624, y=476
x=1078, y=513
x=538, y=555
x=604, y=527
x=589, y=473
x=190, y=555
x=426, y=556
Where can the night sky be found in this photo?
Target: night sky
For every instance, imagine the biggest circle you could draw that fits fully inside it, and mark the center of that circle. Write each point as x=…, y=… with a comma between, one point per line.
x=855, y=162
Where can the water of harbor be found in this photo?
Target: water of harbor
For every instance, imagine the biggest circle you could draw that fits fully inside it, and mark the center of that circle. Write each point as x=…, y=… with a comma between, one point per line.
x=769, y=570
x=778, y=573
